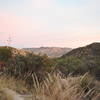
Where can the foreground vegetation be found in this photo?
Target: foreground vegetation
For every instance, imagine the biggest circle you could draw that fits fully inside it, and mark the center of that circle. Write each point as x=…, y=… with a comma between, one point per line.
x=54, y=87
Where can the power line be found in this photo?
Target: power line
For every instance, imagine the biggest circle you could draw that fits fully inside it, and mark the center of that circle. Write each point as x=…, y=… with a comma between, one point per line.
x=9, y=41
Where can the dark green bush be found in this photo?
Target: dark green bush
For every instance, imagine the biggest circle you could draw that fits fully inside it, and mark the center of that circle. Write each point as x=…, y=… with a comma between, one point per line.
x=69, y=65
x=5, y=54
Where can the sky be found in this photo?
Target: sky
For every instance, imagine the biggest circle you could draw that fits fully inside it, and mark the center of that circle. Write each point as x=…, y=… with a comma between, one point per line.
x=52, y=23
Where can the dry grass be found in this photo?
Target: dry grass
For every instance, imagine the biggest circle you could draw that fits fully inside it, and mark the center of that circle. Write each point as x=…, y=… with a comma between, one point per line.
x=13, y=84
x=57, y=87
x=10, y=88
x=54, y=87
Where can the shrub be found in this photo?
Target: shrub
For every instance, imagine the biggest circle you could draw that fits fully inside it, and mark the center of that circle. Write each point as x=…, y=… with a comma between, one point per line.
x=5, y=53
x=70, y=65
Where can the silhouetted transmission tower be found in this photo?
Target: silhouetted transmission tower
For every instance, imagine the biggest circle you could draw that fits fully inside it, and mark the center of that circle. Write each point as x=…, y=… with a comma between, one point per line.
x=9, y=41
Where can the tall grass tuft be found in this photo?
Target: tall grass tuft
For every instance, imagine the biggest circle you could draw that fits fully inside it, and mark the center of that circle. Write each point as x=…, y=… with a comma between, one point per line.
x=58, y=87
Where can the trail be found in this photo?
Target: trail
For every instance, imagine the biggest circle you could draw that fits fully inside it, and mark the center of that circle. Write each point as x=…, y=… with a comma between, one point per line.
x=12, y=95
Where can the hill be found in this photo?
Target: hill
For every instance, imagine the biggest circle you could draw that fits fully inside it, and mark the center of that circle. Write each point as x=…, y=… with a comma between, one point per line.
x=49, y=51
x=14, y=51
x=82, y=60
x=92, y=50
x=22, y=64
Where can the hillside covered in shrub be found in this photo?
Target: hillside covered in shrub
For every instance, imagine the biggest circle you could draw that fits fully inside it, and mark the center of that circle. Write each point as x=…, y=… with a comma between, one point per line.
x=82, y=60
x=21, y=64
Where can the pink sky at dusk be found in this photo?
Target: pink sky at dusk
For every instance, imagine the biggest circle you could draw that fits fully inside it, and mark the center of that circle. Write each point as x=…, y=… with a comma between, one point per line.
x=58, y=23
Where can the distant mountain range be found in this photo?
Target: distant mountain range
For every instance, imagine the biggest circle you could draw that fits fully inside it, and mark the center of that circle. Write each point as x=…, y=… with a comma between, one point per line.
x=49, y=51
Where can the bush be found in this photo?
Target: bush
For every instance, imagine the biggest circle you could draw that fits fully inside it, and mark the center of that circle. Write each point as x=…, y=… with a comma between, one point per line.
x=24, y=66
x=70, y=65
x=5, y=53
